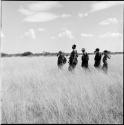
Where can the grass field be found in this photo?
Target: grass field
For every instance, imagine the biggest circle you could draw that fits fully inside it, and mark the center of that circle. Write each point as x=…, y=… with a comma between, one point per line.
x=34, y=90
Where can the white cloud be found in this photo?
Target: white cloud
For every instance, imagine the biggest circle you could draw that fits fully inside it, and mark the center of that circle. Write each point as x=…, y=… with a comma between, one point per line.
x=26, y=12
x=111, y=35
x=2, y=35
x=44, y=5
x=66, y=33
x=65, y=15
x=53, y=37
x=31, y=33
x=86, y=35
x=41, y=29
x=109, y=21
x=104, y=5
x=38, y=12
x=82, y=15
x=41, y=17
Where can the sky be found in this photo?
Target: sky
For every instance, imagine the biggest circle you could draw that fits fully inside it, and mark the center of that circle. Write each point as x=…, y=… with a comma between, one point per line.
x=39, y=26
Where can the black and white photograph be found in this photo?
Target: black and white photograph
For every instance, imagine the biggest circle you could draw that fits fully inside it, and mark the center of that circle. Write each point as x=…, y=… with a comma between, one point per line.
x=61, y=62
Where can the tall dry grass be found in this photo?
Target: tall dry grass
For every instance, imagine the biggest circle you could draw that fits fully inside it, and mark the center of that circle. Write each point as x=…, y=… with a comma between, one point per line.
x=34, y=90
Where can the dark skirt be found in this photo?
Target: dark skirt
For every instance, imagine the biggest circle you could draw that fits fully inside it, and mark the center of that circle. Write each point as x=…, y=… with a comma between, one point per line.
x=84, y=64
x=97, y=64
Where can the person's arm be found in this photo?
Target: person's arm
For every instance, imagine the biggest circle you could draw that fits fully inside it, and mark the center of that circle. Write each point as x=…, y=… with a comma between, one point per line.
x=70, y=55
x=95, y=57
x=76, y=53
x=108, y=57
x=88, y=56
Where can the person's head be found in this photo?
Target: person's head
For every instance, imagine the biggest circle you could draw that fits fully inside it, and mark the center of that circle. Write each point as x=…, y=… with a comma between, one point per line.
x=105, y=52
x=60, y=52
x=74, y=46
x=83, y=49
x=96, y=50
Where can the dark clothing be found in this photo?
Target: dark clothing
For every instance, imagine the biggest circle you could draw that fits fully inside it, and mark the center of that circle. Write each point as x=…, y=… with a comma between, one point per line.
x=73, y=58
x=97, y=59
x=105, y=60
x=85, y=58
x=61, y=60
x=105, y=63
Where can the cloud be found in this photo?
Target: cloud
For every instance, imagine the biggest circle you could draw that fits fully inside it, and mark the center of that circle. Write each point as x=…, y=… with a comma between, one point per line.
x=30, y=33
x=41, y=29
x=109, y=21
x=66, y=33
x=86, y=35
x=44, y=5
x=111, y=35
x=52, y=37
x=65, y=15
x=104, y=5
x=41, y=17
x=44, y=17
x=26, y=12
x=2, y=35
x=39, y=12
x=82, y=15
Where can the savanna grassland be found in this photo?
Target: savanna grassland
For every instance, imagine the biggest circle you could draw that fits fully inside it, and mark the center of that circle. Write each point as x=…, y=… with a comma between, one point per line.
x=34, y=90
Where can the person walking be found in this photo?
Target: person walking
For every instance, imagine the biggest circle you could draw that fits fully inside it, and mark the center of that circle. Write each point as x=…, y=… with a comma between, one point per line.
x=73, y=58
x=105, y=63
x=97, y=58
x=84, y=58
x=61, y=59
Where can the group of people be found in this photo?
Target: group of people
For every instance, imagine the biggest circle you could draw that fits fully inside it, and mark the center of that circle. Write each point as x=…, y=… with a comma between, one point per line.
x=84, y=59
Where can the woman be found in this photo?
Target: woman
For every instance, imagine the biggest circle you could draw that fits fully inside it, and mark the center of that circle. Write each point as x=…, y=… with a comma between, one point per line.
x=105, y=57
x=73, y=58
x=97, y=58
x=84, y=58
x=61, y=59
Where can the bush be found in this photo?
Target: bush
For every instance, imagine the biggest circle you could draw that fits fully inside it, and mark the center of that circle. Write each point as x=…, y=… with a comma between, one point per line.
x=27, y=54
x=3, y=54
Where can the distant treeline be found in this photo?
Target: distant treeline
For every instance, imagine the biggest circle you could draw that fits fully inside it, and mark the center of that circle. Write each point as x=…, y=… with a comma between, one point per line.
x=30, y=54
